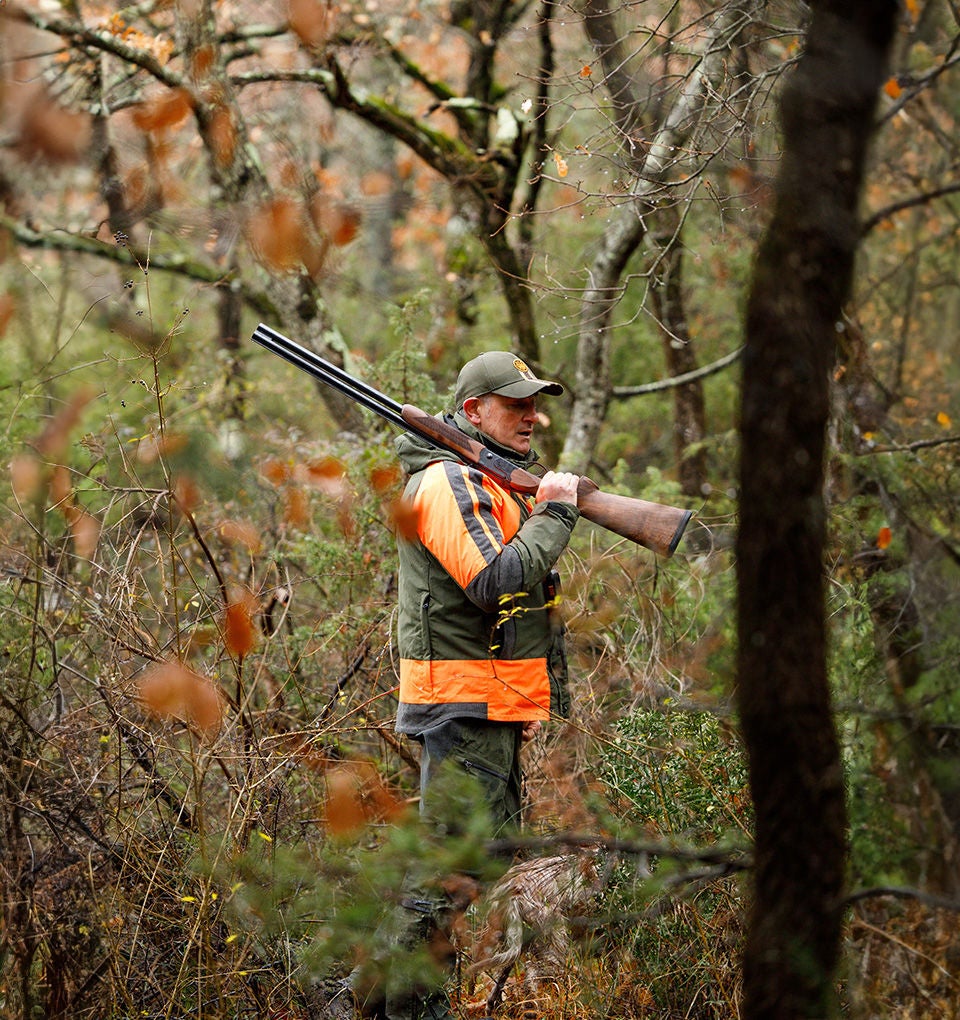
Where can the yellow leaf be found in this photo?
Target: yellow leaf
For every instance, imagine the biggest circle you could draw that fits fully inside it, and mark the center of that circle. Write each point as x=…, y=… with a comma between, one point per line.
x=944, y=420
x=561, y=164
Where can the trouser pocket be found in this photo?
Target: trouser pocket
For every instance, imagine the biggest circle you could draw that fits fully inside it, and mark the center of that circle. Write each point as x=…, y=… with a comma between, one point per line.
x=481, y=771
x=487, y=751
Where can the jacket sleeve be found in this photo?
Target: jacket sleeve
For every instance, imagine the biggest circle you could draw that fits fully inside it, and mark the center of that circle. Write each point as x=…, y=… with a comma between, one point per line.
x=473, y=528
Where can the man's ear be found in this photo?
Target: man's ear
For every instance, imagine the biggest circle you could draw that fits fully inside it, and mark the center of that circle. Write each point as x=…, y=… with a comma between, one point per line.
x=471, y=410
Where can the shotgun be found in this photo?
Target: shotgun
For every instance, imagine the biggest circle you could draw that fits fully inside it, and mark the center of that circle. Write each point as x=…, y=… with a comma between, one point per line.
x=655, y=526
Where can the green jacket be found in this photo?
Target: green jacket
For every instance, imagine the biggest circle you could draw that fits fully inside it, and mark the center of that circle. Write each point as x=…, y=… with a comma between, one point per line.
x=477, y=634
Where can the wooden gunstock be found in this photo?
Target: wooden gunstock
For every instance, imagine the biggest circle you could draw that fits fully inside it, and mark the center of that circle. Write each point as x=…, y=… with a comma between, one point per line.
x=655, y=526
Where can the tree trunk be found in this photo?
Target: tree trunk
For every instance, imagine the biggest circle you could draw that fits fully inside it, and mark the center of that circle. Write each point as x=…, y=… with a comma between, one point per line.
x=689, y=406
x=802, y=276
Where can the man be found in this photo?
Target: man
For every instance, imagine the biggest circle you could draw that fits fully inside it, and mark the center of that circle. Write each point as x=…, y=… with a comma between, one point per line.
x=482, y=662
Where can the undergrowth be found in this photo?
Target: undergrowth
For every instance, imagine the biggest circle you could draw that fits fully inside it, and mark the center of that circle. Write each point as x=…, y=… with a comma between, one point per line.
x=205, y=809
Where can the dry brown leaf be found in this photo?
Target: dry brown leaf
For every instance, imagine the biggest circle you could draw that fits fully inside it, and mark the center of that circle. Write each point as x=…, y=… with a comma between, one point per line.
x=55, y=437
x=404, y=518
x=241, y=533
x=163, y=112
x=383, y=479
x=171, y=690
x=85, y=531
x=25, y=476
x=277, y=234
x=52, y=133
x=328, y=474
x=222, y=136
x=296, y=511
x=335, y=220
x=239, y=632
x=313, y=21
x=275, y=471
x=7, y=307
x=356, y=794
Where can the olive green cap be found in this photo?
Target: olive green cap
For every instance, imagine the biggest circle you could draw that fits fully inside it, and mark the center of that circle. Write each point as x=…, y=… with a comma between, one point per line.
x=500, y=372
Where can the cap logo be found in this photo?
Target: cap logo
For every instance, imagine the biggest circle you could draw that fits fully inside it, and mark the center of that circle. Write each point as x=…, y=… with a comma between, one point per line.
x=522, y=369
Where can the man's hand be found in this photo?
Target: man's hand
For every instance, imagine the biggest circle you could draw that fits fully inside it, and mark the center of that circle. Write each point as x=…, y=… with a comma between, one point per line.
x=530, y=730
x=559, y=485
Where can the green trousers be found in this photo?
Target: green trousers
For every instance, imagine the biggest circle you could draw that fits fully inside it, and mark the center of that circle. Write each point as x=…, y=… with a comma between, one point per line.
x=490, y=753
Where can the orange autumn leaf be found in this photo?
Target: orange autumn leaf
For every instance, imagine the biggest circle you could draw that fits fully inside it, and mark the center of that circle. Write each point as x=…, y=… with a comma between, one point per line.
x=404, y=518
x=356, y=794
x=944, y=420
x=892, y=88
x=884, y=538
x=561, y=164
x=378, y=182
x=586, y=71
x=25, y=476
x=241, y=533
x=7, y=308
x=239, y=633
x=343, y=226
x=338, y=222
x=49, y=131
x=222, y=136
x=84, y=527
x=343, y=811
x=171, y=690
x=53, y=441
x=346, y=518
x=168, y=110
x=312, y=21
x=277, y=234
x=382, y=479
x=328, y=474
x=186, y=492
x=205, y=707
x=60, y=488
x=296, y=509
x=275, y=471
x=151, y=448
x=85, y=532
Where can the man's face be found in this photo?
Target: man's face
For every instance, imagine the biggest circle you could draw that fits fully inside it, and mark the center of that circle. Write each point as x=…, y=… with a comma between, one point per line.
x=507, y=420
